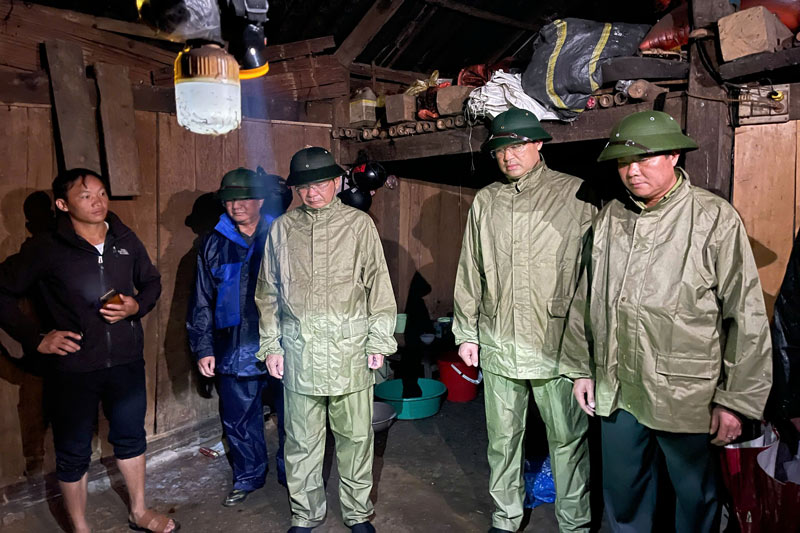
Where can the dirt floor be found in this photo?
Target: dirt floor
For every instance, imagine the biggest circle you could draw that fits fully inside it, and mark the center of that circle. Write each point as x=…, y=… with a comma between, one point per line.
x=431, y=475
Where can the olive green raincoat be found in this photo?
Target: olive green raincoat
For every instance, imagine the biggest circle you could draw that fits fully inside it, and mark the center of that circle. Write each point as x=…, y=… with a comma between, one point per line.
x=670, y=314
x=517, y=273
x=325, y=299
x=326, y=303
x=518, y=270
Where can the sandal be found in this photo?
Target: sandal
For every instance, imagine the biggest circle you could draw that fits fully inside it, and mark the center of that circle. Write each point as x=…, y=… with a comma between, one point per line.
x=154, y=523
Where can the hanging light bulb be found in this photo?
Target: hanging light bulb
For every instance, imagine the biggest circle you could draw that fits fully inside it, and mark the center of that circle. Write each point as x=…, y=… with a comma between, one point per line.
x=208, y=97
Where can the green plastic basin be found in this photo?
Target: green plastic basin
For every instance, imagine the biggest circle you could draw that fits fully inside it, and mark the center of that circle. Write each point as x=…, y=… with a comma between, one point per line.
x=426, y=405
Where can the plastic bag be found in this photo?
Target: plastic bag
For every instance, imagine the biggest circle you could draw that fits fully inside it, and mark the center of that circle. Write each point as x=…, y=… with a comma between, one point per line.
x=184, y=20
x=566, y=67
x=539, y=485
x=501, y=93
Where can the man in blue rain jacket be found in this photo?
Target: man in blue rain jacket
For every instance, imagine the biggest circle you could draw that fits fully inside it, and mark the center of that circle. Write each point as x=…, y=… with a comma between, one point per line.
x=223, y=329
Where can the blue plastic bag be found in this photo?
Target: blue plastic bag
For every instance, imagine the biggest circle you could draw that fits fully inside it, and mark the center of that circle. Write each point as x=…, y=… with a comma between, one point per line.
x=539, y=486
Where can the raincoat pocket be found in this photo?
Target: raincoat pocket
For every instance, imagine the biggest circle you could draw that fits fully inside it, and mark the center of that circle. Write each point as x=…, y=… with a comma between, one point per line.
x=684, y=388
x=355, y=328
x=556, y=312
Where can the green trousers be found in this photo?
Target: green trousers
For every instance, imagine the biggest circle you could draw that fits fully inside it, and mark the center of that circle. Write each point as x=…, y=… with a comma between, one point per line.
x=350, y=418
x=506, y=410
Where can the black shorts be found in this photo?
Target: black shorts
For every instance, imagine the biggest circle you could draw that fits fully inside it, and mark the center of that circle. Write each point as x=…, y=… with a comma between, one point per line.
x=73, y=399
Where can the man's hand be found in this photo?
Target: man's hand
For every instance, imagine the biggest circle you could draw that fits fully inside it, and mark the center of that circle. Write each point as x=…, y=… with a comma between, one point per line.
x=116, y=312
x=375, y=361
x=206, y=365
x=468, y=351
x=583, y=389
x=60, y=343
x=725, y=424
x=275, y=365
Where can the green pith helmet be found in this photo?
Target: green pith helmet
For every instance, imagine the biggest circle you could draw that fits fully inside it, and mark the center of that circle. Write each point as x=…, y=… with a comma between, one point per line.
x=240, y=184
x=514, y=126
x=645, y=132
x=312, y=164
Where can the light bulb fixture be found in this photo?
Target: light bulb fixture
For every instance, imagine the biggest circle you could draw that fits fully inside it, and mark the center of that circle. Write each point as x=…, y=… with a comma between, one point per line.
x=208, y=97
x=249, y=47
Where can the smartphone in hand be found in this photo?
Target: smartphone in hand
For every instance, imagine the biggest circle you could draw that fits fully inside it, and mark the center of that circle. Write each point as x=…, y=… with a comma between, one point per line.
x=110, y=297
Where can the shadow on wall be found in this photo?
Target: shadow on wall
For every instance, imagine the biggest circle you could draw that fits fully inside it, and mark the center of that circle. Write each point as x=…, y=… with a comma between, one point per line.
x=181, y=367
x=16, y=368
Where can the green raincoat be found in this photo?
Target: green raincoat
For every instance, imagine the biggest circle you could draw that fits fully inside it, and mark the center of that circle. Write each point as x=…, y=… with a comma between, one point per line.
x=325, y=299
x=670, y=316
x=517, y=273
x=326, y=303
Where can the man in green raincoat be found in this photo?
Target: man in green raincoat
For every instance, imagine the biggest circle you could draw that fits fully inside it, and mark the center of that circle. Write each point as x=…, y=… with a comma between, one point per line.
x=667, y=336
x=516, y=276
x=327, y=318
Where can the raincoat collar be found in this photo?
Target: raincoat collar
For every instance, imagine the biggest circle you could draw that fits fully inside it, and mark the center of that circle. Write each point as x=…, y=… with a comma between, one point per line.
x=323, y=212
x=227, y=228
x=679, y=190
x=533, y=175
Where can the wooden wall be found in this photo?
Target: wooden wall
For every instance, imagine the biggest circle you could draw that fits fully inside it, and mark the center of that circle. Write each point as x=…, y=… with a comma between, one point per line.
x=421, y=225
x=178, y=167
x=767, y=196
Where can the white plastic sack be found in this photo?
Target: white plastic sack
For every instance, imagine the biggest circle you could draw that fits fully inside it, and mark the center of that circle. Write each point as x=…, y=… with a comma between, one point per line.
x=501, y=93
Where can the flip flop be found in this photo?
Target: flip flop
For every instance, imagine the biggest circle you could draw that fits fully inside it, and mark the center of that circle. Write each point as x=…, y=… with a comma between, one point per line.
x=155, y=523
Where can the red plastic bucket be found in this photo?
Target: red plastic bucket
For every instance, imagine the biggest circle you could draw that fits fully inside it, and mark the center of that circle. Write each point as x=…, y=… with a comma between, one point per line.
x=461, y=380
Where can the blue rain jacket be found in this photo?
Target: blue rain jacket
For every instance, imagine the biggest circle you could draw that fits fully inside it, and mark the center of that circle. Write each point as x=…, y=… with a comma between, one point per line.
x=223, y=318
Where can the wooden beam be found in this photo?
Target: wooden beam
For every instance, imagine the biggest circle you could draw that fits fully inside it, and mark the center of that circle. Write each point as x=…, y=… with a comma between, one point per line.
x=758, y=63
x=591, y=125
x=706, y=110
x=485, y=15
x=281, y=52
x=33, y=89
x=116, y=26
x=369, y=26
x=77, y=127
x=387, y=74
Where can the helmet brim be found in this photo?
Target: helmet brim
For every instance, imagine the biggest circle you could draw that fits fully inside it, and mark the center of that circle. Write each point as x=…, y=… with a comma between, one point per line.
x=306, y=177
x=241, y=193
x=646, y=144
x=533, y=134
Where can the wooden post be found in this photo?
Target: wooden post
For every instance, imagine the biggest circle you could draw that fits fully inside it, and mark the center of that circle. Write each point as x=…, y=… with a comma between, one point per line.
x=118, y=129
x=77, y=127
x=707, y=112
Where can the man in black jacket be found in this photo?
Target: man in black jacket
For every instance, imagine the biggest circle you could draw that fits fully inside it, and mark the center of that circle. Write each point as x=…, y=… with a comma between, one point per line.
x=96, y=281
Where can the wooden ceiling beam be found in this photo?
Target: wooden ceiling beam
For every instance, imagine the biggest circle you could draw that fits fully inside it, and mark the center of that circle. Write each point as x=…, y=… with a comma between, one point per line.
x=484, y=15
x=280, y=52
x=369, y=26
x=387, y=74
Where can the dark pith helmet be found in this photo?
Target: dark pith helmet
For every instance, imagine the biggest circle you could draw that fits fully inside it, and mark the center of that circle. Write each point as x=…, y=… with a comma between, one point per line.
x=645, y=133
x=311, y=165
x=515, y=126
x=240, y=184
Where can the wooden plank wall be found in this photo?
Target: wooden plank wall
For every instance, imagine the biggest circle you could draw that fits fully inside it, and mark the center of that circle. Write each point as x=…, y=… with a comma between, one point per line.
x=177, y=168
x=767, y=196
x=421, y=225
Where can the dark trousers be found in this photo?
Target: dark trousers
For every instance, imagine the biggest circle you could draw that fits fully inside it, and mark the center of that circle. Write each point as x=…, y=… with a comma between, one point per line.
x=242, y=414
x=72, y=404
x=631, y=455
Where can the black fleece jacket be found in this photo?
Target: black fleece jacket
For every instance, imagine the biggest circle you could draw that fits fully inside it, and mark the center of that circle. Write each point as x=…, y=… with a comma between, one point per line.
x=71, y=276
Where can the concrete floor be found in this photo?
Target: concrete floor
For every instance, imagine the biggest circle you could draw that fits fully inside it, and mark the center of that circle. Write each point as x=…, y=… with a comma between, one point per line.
x=430, y=475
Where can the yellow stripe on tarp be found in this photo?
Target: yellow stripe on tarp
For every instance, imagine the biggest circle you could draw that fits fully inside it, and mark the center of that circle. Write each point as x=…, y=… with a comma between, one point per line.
x=561, y=27
x=598, y=49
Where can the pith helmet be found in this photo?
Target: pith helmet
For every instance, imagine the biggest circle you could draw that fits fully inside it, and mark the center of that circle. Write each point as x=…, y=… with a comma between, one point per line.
x=514, y=126
x=645, y=132
x=240, y=184
x=312, y=164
